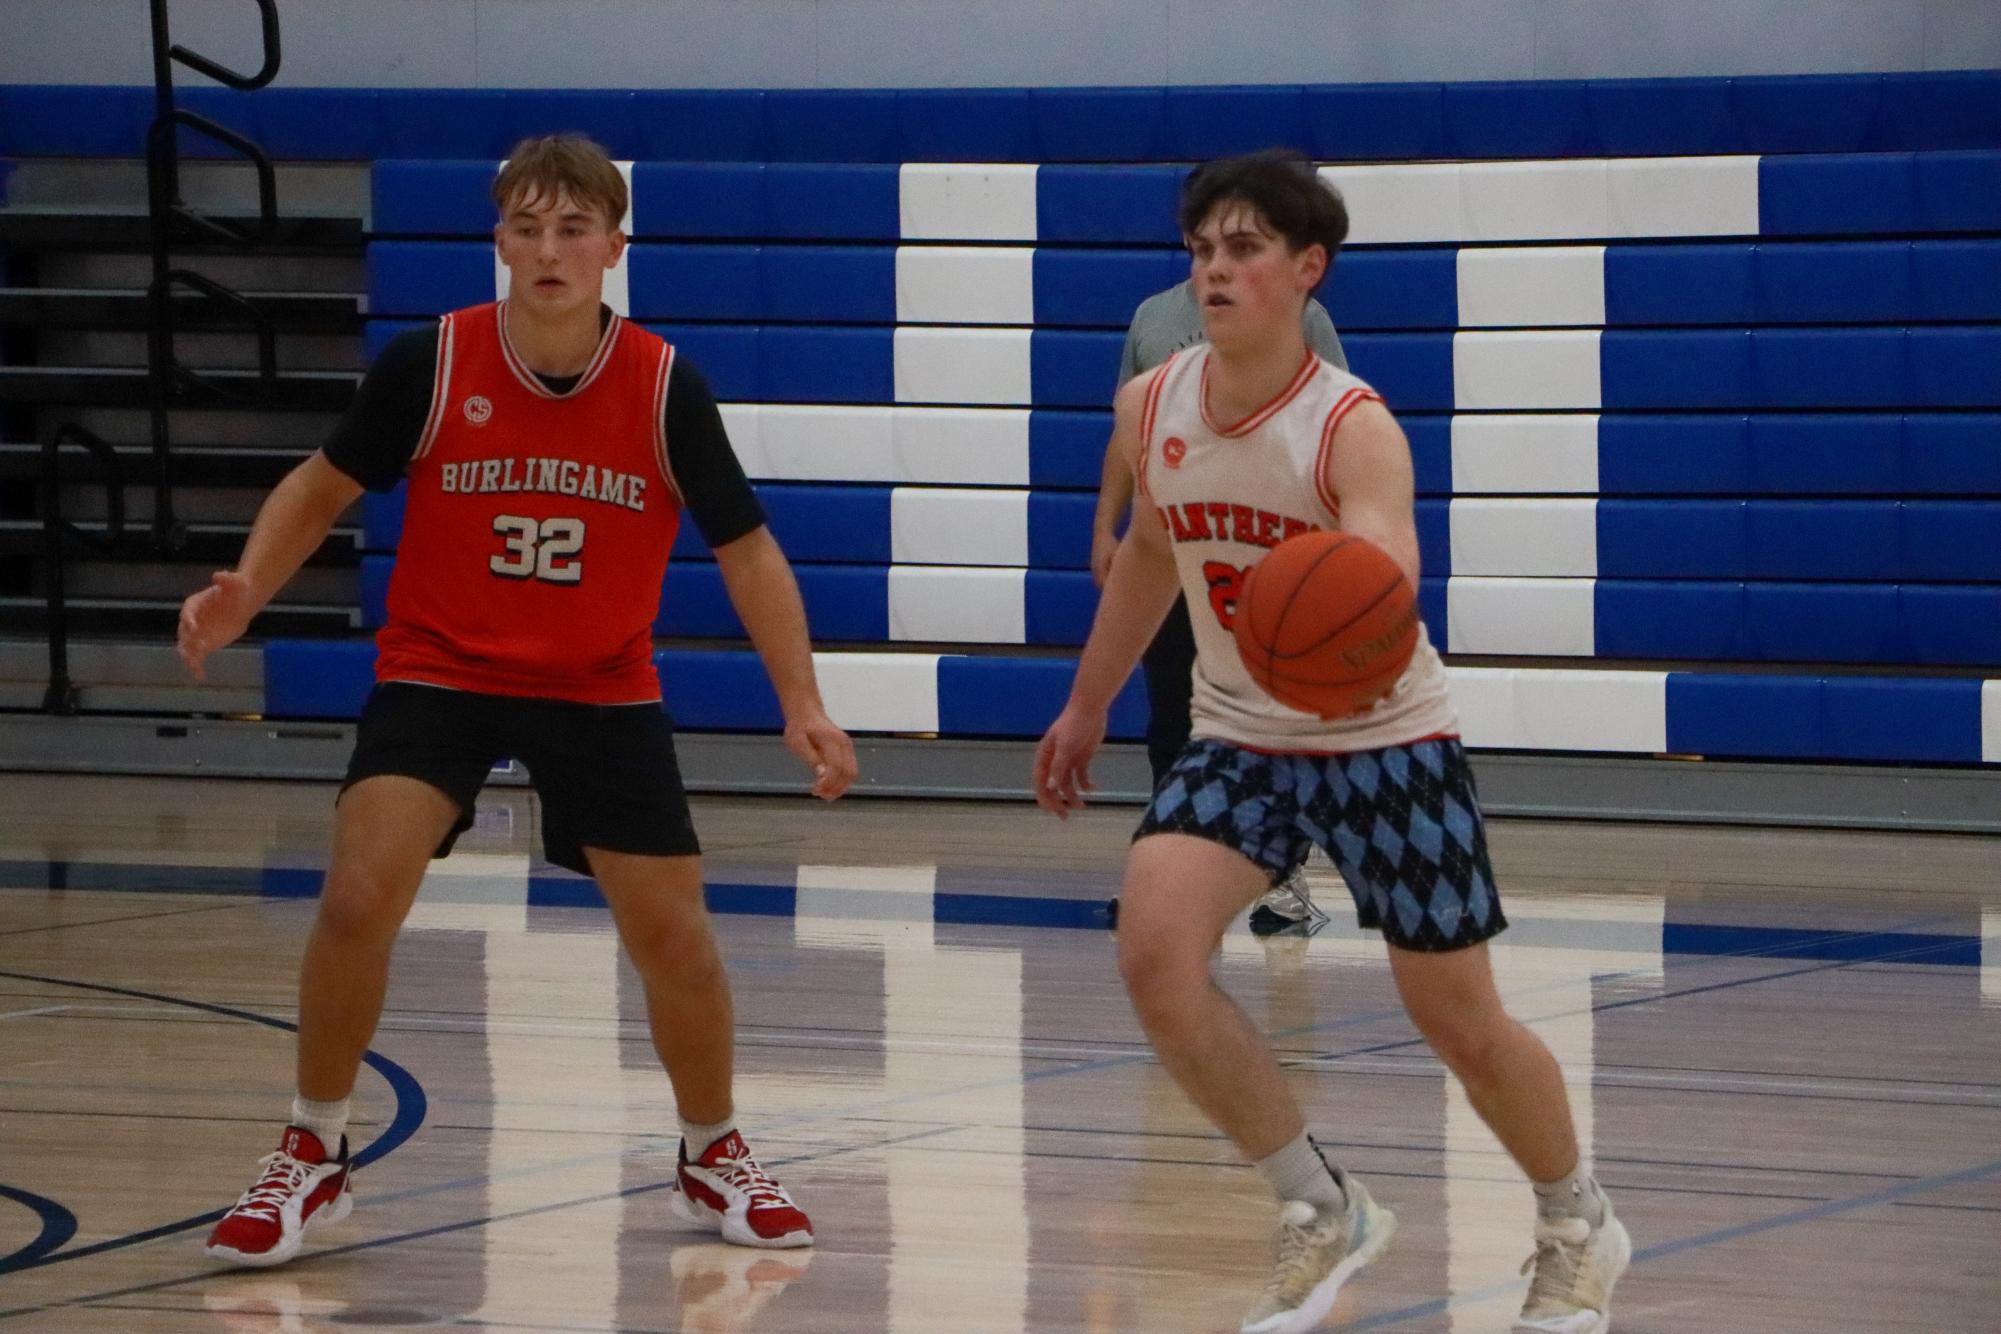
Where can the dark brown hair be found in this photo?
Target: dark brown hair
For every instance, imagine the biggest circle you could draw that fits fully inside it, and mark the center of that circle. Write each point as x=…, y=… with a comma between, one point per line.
x=1282, y=185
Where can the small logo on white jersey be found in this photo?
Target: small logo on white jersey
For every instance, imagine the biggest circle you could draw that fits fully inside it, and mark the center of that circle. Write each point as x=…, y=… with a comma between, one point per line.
x=1174, y=450
x=479, y=409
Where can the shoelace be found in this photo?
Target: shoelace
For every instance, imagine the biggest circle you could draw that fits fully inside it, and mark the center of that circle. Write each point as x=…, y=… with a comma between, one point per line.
x=283, y=1175
x=752, y=1180
x=1556, y=1265
x=1295, y=1257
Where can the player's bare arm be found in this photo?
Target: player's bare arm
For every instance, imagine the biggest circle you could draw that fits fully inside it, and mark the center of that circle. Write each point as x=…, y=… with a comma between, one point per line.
x=1137, y=595
x=766, y=597
x=1115, y=497
x=294, y=519
x=1369, y=468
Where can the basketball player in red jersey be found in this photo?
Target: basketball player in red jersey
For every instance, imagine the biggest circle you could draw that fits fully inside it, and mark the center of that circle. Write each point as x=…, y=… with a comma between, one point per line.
x=551, y=449
x=1236, y=444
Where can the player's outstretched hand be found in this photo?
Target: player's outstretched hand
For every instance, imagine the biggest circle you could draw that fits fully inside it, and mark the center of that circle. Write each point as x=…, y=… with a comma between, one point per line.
x=1063, y=761
x=214, y=618
x=826, y=750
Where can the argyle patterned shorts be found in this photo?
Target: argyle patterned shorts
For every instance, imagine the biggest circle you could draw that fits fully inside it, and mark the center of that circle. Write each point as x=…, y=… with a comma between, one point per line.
x=1402, y=824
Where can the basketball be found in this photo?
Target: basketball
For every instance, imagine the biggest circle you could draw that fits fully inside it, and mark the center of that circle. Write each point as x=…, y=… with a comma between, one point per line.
x=1326, y=623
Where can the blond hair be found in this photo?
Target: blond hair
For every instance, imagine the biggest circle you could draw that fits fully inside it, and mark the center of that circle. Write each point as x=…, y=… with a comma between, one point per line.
x=552, y=165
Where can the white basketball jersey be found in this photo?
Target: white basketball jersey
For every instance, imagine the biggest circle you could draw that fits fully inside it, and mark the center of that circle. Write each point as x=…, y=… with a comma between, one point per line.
x=1228, y=494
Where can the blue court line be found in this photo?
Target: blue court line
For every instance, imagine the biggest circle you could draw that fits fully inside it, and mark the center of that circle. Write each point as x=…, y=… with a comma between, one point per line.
x=1810, y=1214
x=467, y=1224
x=949, y=907
x=58, y=1223
x=411, y=1105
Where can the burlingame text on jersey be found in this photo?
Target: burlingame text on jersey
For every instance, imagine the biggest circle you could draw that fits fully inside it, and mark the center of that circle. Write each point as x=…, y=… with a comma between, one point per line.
x=565, y=477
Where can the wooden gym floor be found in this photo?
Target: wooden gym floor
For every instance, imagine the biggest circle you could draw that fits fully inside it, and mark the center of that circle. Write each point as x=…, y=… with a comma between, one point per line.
x=1784, y=1048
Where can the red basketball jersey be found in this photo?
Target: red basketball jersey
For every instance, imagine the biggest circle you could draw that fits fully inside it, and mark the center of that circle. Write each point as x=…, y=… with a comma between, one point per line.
x=536, y=533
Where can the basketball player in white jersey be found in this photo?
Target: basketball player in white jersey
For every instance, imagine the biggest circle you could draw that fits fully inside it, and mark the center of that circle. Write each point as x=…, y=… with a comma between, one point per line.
x=1237, y=444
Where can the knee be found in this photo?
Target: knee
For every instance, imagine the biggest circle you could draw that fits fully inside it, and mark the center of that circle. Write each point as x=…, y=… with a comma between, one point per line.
x=676, y=945
x=1470, y=1044
x=360, y=909
x=1160, y=974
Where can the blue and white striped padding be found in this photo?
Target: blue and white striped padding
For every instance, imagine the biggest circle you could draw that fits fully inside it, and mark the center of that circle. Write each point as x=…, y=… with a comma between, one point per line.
x=1488, y=287
x=1398, y=203
x=1530, y=370
x=1781, y=716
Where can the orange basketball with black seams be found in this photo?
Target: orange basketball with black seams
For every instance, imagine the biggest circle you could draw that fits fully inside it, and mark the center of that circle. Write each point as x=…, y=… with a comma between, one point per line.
x=1326, y=623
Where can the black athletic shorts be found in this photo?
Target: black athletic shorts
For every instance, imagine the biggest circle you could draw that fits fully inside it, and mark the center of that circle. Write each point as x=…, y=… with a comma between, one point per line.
x=606, y=773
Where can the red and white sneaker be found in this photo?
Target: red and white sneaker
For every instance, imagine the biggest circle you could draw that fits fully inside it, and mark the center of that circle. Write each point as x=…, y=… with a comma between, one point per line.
x=301, y=1188
x=727, y=1190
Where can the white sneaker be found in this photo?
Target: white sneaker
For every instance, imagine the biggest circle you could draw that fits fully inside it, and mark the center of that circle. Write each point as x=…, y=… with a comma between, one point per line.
x=1316, y=1256
x=1286, y=903
x=1575, y=1266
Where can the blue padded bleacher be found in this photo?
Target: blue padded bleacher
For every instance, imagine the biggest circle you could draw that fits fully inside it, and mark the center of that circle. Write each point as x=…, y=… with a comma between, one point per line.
x=1697, y=374
x=1814, y=114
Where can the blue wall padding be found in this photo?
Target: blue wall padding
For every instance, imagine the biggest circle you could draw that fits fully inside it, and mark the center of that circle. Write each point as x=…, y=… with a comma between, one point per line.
x=1059, y=605
x=1850, y=718
x=1100, y=287
x=718, y=690
x=1376, y=121
x=1104, y=204
x=1067, y=448
x=1021, y=697
x=1847, y=113
x=1540, y=119
x=1074, y=367
x=1059, y=530
x=1434, y=536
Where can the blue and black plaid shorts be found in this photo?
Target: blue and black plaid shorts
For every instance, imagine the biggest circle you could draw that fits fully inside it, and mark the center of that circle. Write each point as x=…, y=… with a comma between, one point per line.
x=1402, y=824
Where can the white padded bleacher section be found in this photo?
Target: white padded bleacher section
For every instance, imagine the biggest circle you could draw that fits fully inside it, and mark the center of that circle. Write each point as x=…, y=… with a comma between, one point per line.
x=943, y=201
x=1990, y=722
x=1529, y=708
x=880, y=692
x=1528, y=453
x=1513, y=287
x=1540, y=538
x=1549, y=201
x=1530, y=369
x=936, y=446
x=948, y=604
x=946, y=526
x=1534, y=618
x=971, y=366
x=965, y=285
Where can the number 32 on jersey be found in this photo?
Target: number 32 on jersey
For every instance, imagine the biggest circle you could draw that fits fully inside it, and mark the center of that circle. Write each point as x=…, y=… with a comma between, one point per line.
x=546, y=549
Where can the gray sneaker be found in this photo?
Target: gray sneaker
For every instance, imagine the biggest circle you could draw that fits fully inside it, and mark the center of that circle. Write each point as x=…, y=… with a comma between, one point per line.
x=1287, y=903
x=1316, y=1255
x=1575, y=1266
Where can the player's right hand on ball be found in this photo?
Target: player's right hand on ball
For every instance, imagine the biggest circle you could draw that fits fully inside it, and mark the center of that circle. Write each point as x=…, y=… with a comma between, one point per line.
x=214, y=618
x=1063, y=761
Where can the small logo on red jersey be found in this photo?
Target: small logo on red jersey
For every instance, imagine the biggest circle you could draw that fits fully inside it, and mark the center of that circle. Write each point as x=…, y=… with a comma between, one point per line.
x=1174, y=450
x=479, y=409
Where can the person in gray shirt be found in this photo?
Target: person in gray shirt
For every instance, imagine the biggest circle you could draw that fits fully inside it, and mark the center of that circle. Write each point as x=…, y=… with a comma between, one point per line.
x=1164, y=324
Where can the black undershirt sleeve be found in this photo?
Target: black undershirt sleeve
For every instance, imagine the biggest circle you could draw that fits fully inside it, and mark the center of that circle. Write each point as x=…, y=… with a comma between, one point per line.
x=375, y=437
x=711, y=481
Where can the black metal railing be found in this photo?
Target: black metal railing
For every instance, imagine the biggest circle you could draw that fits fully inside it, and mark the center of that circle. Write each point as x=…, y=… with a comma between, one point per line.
x=61, y=696
x=171, y=383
